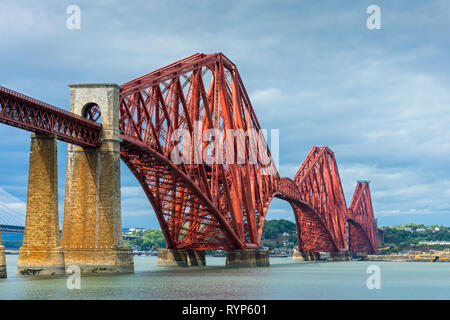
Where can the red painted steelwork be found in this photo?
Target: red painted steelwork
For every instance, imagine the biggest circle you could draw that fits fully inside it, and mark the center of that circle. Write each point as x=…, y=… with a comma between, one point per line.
x=219, y=206
x=362, y=232
x=312, y=232
x=201, y=204
x=33, y=115
x=317, y=199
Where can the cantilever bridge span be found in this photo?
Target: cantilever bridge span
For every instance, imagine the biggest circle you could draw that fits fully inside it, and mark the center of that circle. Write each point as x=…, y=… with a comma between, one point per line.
x=203, y=205
x=224, y=205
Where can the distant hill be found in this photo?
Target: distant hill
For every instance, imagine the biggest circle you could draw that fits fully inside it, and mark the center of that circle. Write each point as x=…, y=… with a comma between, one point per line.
x=279, y=233
x=146, y=239
x=276, y=233
x=413, y=236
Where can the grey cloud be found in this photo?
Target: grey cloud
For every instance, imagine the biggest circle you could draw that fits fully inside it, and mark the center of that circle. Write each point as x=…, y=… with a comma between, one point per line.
x=378, y=99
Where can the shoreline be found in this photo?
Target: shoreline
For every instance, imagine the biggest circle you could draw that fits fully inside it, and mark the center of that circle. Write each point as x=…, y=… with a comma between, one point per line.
x=385, y=258
x=407, y=258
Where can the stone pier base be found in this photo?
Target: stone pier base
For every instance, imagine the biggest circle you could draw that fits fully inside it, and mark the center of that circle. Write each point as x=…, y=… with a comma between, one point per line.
x=262, y=258
x=40, y=261
x=172, y=258
x=2, y=262
x=340, y=256
x=119, y=260
x=181, y=258
x=248, y=258
x=359, y=255
x=196, y=258
x=305, y=256
x=299, y=256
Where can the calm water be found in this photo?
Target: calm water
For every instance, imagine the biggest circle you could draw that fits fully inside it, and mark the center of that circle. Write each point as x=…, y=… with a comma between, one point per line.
x=283, y=280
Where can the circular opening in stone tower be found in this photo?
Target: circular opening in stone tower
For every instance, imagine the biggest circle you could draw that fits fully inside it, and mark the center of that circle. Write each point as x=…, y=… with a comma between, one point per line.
x=92, y=112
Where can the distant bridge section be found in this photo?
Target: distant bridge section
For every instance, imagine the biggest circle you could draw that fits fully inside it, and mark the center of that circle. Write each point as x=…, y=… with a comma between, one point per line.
x=11, y=221
x=12, y=229
x=361, y=222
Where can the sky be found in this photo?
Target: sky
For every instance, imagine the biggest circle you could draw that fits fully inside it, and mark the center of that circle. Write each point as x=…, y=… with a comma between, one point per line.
x=379, y=99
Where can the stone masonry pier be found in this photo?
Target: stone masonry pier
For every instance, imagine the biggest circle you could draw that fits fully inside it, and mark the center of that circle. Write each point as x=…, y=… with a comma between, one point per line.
x=305, y=256
x=2, y=260
x=41, y=252
x=181, y=258
x=248, y=258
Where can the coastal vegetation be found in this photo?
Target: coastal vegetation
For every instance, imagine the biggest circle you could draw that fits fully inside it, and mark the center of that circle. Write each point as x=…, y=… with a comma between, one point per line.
x=145, y=240
x=283, y=234
x=279, y=234
x=415, y=237
x=276, y=234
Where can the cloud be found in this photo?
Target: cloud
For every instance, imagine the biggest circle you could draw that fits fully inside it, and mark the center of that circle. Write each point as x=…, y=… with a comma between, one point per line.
x=378, y=99
x=12, y=210
x=131, y=192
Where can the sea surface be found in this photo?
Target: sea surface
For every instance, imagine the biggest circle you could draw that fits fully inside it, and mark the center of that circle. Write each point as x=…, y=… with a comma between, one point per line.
x=283, y=280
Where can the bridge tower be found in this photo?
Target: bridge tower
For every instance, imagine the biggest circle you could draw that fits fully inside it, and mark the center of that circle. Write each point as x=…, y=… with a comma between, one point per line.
x=92, y=227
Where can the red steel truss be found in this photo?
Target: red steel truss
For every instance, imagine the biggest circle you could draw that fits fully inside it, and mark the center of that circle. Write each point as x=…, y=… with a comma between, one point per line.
x=320, y=186
x=362, y=232
x=219, y=205
x=318, y=202
x=199, y=205
x=33, y=115
x=202, y=204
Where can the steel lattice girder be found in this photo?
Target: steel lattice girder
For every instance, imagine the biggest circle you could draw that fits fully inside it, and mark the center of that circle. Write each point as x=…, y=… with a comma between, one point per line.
x=218, y=205
x=207, y=91
x=320, y=186
x=361, y=220
x=318, y=202
x=33, y=115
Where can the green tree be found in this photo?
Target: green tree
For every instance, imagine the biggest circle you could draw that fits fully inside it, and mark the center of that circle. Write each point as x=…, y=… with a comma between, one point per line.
x=274, y=230
x=147, y=239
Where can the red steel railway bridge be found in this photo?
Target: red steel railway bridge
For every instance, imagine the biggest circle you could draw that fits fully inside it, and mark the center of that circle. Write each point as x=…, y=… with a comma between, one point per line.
x=200, y=205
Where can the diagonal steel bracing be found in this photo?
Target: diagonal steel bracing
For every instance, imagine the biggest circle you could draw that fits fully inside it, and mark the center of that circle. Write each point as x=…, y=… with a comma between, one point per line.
x=218, y=195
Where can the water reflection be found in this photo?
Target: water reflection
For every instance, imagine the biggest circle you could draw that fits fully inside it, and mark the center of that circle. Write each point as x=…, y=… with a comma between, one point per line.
x=283, y=280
